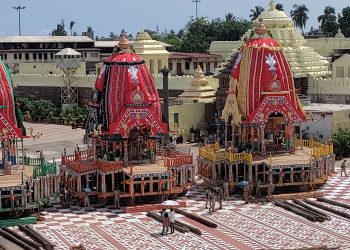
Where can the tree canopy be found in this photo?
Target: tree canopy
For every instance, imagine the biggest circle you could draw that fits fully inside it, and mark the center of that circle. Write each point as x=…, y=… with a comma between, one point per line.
x=299, y=15
x=279, y=7
x=328, y=21
x=59, y=31
x=200, y=32
x=344, y=21
x=255, y=13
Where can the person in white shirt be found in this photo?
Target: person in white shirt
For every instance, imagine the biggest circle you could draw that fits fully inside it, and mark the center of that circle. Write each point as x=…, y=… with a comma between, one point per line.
x=172, y=221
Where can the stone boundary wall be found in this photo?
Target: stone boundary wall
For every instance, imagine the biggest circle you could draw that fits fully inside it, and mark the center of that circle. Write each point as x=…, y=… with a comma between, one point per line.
x=48, y=87
x=330, y=90
x=88, y=81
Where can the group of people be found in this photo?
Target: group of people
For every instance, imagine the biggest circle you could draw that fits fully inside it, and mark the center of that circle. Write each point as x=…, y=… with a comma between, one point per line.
x=168, y=216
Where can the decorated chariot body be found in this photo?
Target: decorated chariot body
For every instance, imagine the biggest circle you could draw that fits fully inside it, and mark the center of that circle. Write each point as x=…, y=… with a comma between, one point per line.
x=24, y=185
x=124, y=125
x=262, y=117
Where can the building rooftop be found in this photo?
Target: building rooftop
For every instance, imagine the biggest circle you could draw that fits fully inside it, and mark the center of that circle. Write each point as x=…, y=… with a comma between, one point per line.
x=187, y=55
x=326, y=108
x=44, y=39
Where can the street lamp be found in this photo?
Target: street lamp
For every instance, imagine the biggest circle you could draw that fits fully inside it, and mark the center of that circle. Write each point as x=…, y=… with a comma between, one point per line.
x=19, y=8
x=197, y=2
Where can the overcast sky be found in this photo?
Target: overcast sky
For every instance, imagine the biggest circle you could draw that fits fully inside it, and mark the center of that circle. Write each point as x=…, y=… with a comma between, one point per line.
x=105, y=16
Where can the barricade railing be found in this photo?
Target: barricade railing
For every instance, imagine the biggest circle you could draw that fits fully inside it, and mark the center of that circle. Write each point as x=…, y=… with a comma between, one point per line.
x=225, y=155
x=109, y=166
x=318, y=149
x=45, y=169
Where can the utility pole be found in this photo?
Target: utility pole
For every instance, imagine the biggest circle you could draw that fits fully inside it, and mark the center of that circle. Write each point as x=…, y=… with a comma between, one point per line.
x=197, y=2
x=19, y=8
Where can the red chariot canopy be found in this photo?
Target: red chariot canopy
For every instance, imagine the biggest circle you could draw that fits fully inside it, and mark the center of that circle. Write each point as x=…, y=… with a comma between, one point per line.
x=265, y=82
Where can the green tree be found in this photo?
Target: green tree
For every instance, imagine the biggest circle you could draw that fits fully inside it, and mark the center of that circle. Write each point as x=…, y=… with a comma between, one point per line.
x=299, y=16
x=341, y=143
x=59, y=31
x=279, y=7
x=344, y=21
x=71, y=24
x=328, y=21
x=255, y=13
x=200, y=32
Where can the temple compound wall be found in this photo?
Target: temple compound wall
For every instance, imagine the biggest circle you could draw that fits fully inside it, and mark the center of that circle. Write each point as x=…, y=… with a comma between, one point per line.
x=49, y=86
x=330, y=90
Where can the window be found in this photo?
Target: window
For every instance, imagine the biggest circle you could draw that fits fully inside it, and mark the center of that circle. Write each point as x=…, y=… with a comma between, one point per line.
x=339, y=72
x=187, y=65
x=176, y=120
x=15, y=56
x=195, y=65
x=5, y=56
x=45, y=56
x=51, y=55
x=34, y=56
x=26, y=55
x=170, y=66
x=40, y=55
x=215, y=65
x=20, y=56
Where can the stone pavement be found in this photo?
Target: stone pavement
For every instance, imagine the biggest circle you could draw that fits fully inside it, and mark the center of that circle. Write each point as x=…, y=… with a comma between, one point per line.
x=252, y=226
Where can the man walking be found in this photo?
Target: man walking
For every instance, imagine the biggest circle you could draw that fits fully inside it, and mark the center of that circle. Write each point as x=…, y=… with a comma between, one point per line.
x=116, y=198
x=165, y=223
x=226, y=191
x=258, y=189
x=246, y=194
x=86, y=202
x=172, y=221
x=343, y=169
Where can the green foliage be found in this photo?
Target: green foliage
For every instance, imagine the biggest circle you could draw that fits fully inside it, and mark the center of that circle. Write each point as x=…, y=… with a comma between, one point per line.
x=279, y=7
x=200, y=32
x=45, y=111
x=328, y=21
x=344, y=21
x=341, y=143
x=299, y=15
x=255, y=13
x=59, y=31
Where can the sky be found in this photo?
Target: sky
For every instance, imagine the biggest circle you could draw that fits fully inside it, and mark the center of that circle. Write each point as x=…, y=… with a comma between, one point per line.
x=41, y=16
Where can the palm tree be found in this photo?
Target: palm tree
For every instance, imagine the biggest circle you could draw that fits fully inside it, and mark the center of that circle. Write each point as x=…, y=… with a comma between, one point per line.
x=328, y=15
x=299, y=15
x=71, y=24
x=230, y=17
x=279, y=7
x=256, y=12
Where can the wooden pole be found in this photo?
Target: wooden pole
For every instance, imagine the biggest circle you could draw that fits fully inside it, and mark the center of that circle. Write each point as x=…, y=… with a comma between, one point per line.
x=22, y=153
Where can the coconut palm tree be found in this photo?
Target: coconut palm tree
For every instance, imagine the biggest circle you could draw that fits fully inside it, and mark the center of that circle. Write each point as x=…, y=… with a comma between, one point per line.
x=328, y=21
x=256, y=12
x=71, y=24
x=299, y=15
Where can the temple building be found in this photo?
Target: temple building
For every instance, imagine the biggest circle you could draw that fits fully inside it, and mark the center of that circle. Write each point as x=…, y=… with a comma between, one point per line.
x=263, y=119
x=197, y=99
